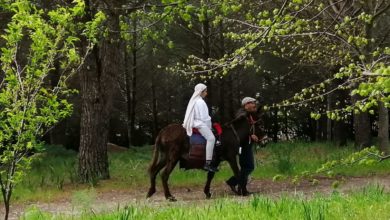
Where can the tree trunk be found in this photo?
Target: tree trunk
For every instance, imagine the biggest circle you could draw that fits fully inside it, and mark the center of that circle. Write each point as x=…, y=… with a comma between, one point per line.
x=134, y=52
x=286, y=124
x=154, y=109
x=231, y=110
x=318, y=130
x=97, y=83
x=221, y=103
x=131, y=85
x=275, y=126
x=362, y=128
x=361, y=123
x=329, y=102
x=222, y=111
x=339, y=131
x=340, y=127
x=128, y=96
x=383, y=130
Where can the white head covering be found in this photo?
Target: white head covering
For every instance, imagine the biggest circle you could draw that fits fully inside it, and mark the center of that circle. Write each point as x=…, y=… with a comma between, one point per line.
x=247, y=100
x=189, y=117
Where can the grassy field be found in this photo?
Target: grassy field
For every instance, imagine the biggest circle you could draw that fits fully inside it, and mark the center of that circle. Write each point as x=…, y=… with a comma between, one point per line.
x=369, y=203
x=53, y=176
x=54, y=172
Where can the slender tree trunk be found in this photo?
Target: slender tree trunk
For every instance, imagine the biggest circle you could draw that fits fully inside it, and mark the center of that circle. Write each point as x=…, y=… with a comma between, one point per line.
x=318, y=130
x=339, y=131
x=7, y=189
x=230, y=96
x=275, y=127
x=362, y=128
x=134, y=52
x=7, y=203
x=205, y=40
x=131, y=85
x=383, y=131
x=329, y=107
x=286, y=124
x=128, y=95
x=221, y=104
x=222, y=111
x=154, y=109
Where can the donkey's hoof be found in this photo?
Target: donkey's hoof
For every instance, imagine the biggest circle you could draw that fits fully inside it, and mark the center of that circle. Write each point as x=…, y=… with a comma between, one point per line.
x=171, y=199
x=150, y=193
x=208, y=195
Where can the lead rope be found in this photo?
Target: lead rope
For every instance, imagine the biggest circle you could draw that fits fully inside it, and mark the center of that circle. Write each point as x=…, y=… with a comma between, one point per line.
x=238, y=138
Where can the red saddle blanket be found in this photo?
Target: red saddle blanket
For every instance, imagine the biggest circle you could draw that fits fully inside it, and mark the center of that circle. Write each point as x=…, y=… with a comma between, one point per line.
x=217, y=127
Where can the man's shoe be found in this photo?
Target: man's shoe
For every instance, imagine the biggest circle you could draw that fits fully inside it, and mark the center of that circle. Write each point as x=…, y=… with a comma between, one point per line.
x=246, y=193
x=232, y=187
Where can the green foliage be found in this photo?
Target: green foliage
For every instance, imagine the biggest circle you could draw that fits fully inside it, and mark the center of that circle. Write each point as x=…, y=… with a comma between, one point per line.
x=364, y=156
x=29, y=107
x=305, y=33
x=367, y=157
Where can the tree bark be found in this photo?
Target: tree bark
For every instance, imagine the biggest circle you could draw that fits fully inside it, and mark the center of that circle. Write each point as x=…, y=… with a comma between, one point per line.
x=362, y=128
x=132, y=85
x=155, y=112
x=329, y=107
x=275, y=125
x=97, y=83
x=383, y=130
x=286, y=124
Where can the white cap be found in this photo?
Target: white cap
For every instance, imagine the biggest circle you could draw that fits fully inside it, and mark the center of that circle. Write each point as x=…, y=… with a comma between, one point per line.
x=247, y=100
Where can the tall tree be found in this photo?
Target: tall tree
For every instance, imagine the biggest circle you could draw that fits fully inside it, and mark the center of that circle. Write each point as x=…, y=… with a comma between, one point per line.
x=29, y=105
x=97, y=83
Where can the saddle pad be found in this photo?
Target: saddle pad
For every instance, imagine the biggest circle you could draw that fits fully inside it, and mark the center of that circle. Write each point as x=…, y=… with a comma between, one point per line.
x=197, y=139
x=197, y=147
x=197, y=152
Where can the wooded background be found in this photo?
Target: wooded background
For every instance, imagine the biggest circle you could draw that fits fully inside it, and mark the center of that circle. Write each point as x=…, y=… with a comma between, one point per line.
x=150, y=54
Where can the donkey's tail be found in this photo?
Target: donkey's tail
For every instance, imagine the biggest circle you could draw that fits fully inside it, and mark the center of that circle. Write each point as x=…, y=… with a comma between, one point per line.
x=156, y=153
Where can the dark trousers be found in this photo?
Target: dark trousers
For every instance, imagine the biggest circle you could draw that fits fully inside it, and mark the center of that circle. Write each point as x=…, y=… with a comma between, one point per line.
x=247, y=165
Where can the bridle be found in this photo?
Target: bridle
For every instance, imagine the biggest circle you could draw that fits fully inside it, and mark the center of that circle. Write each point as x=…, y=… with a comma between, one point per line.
x=252, y=123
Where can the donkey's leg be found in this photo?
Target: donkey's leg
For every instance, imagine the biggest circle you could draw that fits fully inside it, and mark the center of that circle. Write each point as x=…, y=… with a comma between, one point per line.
x=154, y=169
x=236, y=171
x=165, y=176
x=210, y=176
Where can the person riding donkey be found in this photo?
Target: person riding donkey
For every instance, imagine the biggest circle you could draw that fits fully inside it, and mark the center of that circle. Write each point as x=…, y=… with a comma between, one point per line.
x=246, y=157
x=197, y=116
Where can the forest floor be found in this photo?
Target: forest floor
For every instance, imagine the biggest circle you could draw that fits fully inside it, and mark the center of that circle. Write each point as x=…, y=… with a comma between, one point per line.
x=110, y=200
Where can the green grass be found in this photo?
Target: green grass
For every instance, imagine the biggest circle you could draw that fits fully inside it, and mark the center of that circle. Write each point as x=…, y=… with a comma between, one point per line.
x=370, y=203
x=53, y=174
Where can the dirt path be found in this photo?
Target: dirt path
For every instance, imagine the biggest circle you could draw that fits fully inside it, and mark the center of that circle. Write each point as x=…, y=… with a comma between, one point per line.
x=111, y=200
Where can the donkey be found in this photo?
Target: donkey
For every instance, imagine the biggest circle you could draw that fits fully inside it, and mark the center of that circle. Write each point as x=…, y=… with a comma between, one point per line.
x=172, y=144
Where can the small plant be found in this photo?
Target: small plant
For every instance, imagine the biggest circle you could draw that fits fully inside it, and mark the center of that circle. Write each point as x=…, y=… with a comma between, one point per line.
x=84, y=199
x=283, y=159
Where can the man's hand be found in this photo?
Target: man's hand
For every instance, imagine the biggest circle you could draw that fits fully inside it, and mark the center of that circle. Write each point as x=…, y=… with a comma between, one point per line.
x=254, y=138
